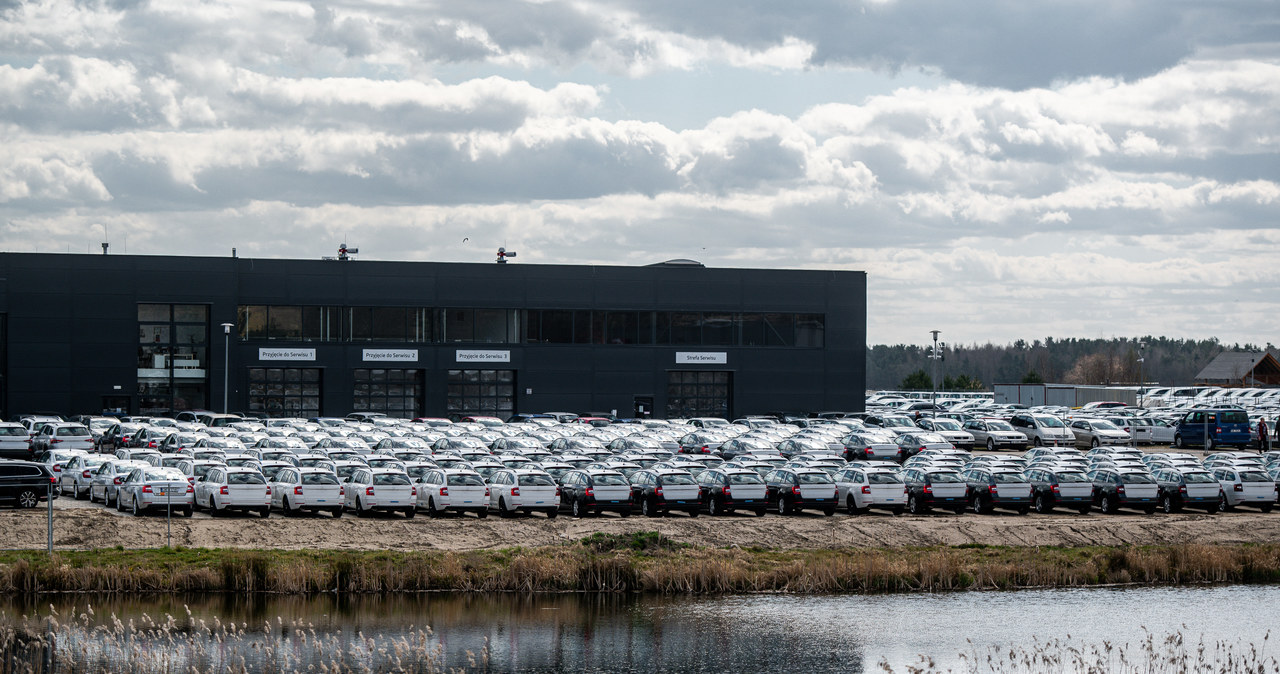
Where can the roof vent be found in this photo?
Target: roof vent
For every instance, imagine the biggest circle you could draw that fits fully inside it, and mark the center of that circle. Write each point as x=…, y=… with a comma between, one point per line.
x=678, y=262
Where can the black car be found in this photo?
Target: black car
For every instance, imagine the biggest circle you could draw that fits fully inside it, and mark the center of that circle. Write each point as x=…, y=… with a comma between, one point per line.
x=726, y=489
x=1179, y=488
x=593, y=491
x=791, y=490
x=661, y=490
x=26, y=484
x=1054, y=486
x=997, y=488
x=929, y=488
x=1115, y=488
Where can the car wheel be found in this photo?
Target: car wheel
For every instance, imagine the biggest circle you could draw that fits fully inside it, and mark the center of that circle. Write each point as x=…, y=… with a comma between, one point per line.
x=284, y=507
x=625, y=513
x=552, y=514
x=828, y=512
x=1085, y=510
x=646, y=509
x=136, y=511
x=898, y=510
x=1265, y=507
x=360, y=511
x=75, y=491
x=91, y=498
x=410, y=512
x=1022, y=510
x=711, y=507
x=1036, y=441
x=431, y=508
x=1041, y=505
x=188, y=511
x=28, y=498
x=1105, y=506
x=914, y=506
x=336, y=512
x=1093, y=443
x=1210, y=446
x=783, y=507
x=264, y=513
x=1177, y=441
x=1149, y=510
x=1166, y=504
x=482, y=514
x=119, y=503
x=213, y=508
x=991, y=445
x=760, y=512
x=1223, y=506
x=978, y=507
x=693, y=513
x=576, y=508
x=502, y=508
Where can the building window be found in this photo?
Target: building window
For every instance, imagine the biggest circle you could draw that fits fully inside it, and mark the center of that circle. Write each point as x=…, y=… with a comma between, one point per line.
x=285, y=391
x=396, y=393
x=482, y=392
x=699, y=393
x=173, y=357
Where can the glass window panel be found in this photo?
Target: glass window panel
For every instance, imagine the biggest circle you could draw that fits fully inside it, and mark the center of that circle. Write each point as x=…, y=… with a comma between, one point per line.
x=620, y=327
x=390, y=324
x=582, y=327
x=779, y=329
x=718, y=329
x=311, y=324
x=153, y=358
x=190, y=334
x=810, y=329
x=153, y=334
x=644, y=327
x=752, y=329
x=257, y=374
x=491, y=326
x=252, y=320
x=284, y=323
x=685, y=329
x=662, y=327
x=557, y=327
x=151, y=313
x=360, y=323
x=459, y=325
x=190, y=313
x=533, y=326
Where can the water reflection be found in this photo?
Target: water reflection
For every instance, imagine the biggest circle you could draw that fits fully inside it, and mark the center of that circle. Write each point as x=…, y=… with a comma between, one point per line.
x=551, y=633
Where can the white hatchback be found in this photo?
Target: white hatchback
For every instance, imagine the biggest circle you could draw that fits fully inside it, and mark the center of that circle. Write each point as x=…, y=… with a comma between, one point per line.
x=860, y=489
x=304, y=489
x=523, y=490
x=455, y=489
x=380, y=489
x=226, y=488
x=1245, y=486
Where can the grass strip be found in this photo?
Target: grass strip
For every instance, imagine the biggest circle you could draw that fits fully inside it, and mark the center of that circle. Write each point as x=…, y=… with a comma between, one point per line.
x=641, y=562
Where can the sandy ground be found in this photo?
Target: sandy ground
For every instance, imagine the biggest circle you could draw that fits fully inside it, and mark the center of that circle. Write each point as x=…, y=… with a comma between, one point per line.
x=78, y=525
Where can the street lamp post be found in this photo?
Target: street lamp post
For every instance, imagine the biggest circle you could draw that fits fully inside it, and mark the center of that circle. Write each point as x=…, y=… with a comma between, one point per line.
x=226, y=360
x=934, y=356
x=1142, y=379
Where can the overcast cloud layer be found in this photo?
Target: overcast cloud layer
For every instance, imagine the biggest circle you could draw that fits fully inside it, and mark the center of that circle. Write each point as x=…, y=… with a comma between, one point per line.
x=1000, y=169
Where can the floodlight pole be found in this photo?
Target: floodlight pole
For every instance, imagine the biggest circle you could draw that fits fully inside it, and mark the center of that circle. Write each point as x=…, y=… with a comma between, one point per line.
x=226, y=360
x=934, y=379
x=1142, y=379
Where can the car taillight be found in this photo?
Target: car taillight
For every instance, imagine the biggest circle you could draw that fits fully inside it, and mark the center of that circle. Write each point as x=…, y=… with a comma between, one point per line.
x=413, y=491
x=590, y=493
x=928, y=489
x=992, y=489
x=57, y=468
x=866, y=489
x=151, y=444
x=867, y=451
x=368, y=491
x=53, y=479
x=146, y=489
x=342, y=490
x=1182, y=489
x=444, y=491
x=1120, y=490
x=515, y=491
x=54, y=441
x=557, y=492
x=190, y=489
x=298, y=490
x=223, y=490
x=117, y=480
x=796, y=490
x=1237, y=487
x=1056, y=490
x=706, y=449
x=922, y=448
x=86, y=475
x=726, y=491
x=657, y=491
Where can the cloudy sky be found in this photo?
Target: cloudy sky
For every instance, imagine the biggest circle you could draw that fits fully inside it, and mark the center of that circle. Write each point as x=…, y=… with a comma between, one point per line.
x=1001, y=169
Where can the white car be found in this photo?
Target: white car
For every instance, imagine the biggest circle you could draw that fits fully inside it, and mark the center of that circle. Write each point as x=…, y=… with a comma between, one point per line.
x=995, y=434
x=523, y=490
x=151, y=487
x=949, y=429
x=1044, y=430
x=1098, y=433
x=380, y=489
x=1245, y=486
x=79, y=472
x=456, y=489
x=872, y=445
x=861, y=488
x=298, y=490
x=63, y=436
x=15, y=441
x=226, y=488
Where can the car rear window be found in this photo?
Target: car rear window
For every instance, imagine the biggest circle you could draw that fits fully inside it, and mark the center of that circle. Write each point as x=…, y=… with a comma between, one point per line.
x=4, y=430
x=814, y=478
x=883, y=478
x=465, y=481
x=536, y=481
x=609, y=480
x=1233, y=417
x=73, y=432
x=1198, y=478
x=1250, y=476
x=1137, y=478
x=319, y=478
x=944, y=477
x=676, y=478
x=397, y=478
x=1008, y=478
x=245, y=478
x=1067, y=476
x=745, y=478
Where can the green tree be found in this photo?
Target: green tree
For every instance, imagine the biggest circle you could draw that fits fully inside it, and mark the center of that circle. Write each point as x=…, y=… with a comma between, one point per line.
x=1032, y=377
x=966, y=383
x=917, y=381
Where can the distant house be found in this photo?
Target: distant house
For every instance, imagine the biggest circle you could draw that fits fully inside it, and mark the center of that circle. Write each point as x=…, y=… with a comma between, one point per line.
x=1242, y=369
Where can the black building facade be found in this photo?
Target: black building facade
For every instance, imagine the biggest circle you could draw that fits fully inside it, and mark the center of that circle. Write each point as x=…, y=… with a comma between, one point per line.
x=160, y=334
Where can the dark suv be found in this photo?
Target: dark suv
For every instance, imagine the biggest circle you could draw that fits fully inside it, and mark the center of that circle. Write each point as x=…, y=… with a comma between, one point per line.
x=26, y=484
x=994, y=487
x=793, y=489
x=929, y=488
x=1053, y=486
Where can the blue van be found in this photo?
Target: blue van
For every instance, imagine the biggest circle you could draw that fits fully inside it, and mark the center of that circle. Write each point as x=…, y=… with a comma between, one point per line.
x=1213, y=428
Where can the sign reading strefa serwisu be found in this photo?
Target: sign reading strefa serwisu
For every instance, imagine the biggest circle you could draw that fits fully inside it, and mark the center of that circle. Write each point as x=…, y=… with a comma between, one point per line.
x=702, y=358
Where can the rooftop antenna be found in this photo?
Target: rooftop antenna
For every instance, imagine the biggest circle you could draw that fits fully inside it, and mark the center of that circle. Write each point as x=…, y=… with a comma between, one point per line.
x=345, y=253
x=503, y=255
x=105, y=245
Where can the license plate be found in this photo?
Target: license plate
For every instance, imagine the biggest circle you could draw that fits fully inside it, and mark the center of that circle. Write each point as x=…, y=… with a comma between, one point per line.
x=398, y=501
x=161, y=492
x=320, y=500
x=614, y=501
x=466, y=501
x=539, y=502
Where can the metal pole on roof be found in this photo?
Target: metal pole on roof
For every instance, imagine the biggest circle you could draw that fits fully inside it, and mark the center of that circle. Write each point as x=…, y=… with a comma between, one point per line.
x=935, y=355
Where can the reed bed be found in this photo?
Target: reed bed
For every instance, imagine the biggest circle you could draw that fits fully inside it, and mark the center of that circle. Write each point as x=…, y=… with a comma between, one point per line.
x=1174, y=653
x=634, y=563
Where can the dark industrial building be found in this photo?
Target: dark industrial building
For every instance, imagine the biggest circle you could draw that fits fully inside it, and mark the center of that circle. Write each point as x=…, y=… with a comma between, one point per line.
x=159, y=334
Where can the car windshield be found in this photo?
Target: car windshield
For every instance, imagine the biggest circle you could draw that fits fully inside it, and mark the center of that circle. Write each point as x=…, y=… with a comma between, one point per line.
x=945, y=425
x=1136, y=478
x=944, y=477
x=883, y=478
x=1198, y=478
x=998, y=425
x=609, y=480
x=270, y=471
x=1072, y=476
x=676, y=478
x=319, y=478
x=536, y=481
x=395, y=478
x=245, y=478
x=465, y=481
x=897, y=422
x=1050, y=422
x=814, y=478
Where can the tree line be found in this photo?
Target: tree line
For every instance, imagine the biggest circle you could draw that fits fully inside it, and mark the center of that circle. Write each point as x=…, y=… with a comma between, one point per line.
x=1115, y=361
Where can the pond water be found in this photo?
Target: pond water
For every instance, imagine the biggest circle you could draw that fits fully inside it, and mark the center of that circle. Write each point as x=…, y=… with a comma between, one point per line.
x=624, y=633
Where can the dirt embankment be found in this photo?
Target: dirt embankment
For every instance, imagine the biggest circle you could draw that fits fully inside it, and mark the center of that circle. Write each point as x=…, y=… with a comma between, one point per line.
x=93, y=527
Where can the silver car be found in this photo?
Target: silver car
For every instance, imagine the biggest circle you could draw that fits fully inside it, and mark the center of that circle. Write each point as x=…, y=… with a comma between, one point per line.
x=108, y=478
x=151, y=487
x=79, y=472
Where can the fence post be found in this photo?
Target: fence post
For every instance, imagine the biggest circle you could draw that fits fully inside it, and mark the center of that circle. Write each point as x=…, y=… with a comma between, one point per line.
x=49, y=500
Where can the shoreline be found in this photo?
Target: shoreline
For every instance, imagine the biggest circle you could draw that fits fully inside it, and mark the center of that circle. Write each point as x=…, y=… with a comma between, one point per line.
x=640, y=562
